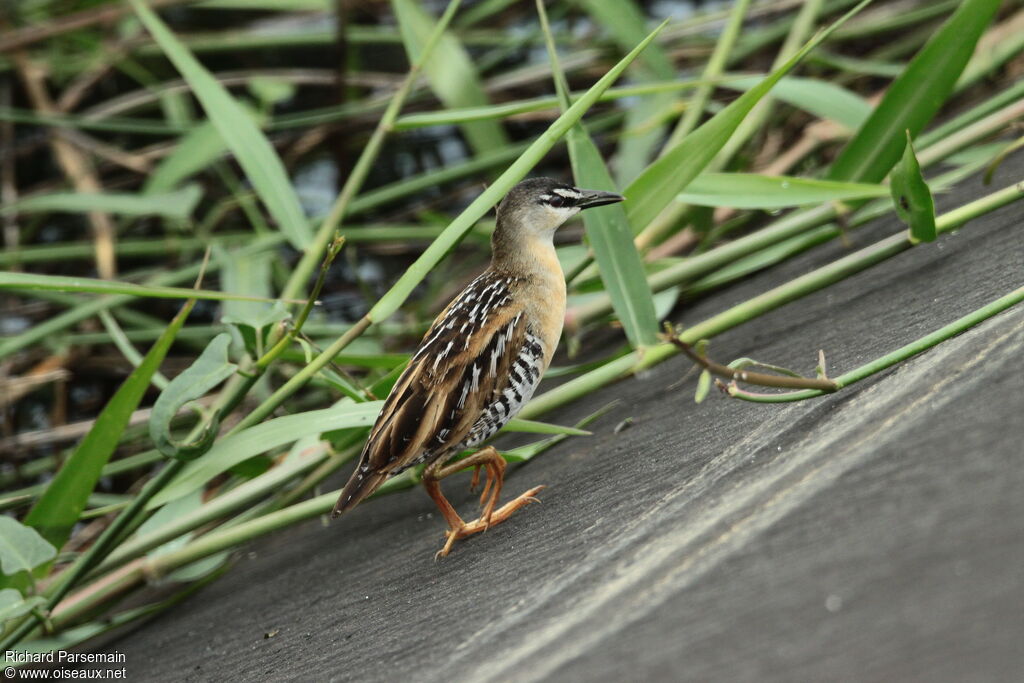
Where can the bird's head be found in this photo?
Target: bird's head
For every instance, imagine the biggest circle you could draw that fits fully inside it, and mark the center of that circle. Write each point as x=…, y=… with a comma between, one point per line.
x=537, y=206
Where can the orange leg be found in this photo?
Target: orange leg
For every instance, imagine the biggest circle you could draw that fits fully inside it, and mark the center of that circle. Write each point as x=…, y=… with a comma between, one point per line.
x=491, y=460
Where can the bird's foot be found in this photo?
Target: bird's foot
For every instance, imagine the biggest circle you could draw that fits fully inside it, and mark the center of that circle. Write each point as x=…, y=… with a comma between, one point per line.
x=487, y=520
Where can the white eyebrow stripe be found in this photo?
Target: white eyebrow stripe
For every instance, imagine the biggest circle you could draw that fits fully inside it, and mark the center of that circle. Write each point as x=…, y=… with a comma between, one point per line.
x=568, y=194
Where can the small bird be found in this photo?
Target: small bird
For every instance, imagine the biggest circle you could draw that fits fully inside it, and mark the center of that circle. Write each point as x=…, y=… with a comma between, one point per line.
x=480, y=361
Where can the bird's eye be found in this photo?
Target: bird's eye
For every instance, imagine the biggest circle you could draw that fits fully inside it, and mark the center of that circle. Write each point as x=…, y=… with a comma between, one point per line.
x=557, y=201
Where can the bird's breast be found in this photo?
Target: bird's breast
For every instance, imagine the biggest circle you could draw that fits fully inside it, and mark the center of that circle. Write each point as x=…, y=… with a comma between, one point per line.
x=545, y=312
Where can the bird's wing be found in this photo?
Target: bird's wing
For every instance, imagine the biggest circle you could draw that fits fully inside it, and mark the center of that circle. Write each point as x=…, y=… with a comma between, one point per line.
x=462, y=364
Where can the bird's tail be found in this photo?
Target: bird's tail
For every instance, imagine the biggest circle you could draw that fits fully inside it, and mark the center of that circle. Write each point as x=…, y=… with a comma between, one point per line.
x=361, y=484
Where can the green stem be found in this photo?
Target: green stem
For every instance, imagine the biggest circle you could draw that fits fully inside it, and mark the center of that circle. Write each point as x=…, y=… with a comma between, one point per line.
x=899, y=355
x=301, y=377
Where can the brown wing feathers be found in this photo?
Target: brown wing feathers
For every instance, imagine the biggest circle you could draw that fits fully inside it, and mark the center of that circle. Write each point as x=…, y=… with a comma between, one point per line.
x=459, y=367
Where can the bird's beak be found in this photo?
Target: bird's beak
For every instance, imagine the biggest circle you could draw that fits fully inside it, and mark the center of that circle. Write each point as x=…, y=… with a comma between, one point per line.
x=592, y=198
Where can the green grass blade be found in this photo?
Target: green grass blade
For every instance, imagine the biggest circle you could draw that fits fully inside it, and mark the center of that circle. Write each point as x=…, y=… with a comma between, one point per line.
x=912, y=197
x=914, y=98
x=251, y=148
x=450, y=71
x=60, y=283
x=821, y=98
x=177, y=205
x=275, y=433
x=754, y=191
x=61, y=505
x=462, y=224
x=533, y=427
x=649, y=194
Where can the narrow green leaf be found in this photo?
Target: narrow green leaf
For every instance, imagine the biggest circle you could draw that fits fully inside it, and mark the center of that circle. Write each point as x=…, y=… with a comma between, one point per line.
x=533, y=104
x=913, y=197
x=60, y=506
x=649, y=194
x=820, y=98
x=210, y=369
x=607, y=228
x=703, y=387
x=59, y=283
x=252, y=150
x=524, y=453
x=413, y=275
x=22, y=548
x=450, y=71
x=13, y=605
x=642, y=130
x=611, y=238
x=261, y=438
x=914, y=98
x=533, y=427
x=754, y=191
x=168, y=204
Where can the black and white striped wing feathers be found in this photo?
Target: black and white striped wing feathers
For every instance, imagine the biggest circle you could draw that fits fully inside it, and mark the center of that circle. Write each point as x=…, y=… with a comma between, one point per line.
x=474, y=370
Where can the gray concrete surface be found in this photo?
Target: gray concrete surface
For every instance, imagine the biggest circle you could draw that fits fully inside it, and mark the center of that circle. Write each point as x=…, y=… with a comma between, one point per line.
x=872, y=535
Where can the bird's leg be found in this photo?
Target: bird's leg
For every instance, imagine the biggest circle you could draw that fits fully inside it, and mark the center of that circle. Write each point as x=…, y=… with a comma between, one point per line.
x=490, y=459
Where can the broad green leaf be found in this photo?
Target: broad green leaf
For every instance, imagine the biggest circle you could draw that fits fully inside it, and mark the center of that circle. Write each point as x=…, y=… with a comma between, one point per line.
x=168, y=204
x=462, y=224
x=450, y=71
x=22, y=548
x=914, y=98
x=263, y=437
x=209, y=370
x=649, y=194
x=251, y=148
x=13, y=605
x=60, y=506
x=821, y=98
x=59, y=283
x=754, y=191
x=913, y=197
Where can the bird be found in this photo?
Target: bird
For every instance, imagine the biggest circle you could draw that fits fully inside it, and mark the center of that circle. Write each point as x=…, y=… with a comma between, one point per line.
x=479, y=362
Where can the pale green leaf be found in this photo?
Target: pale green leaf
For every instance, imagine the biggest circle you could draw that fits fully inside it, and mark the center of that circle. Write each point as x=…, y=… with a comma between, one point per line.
x=754, y=191
x=179, y=204
x=22, y=548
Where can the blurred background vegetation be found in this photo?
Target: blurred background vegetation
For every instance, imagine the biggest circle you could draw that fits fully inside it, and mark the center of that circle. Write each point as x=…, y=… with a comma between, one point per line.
x=318, y=174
